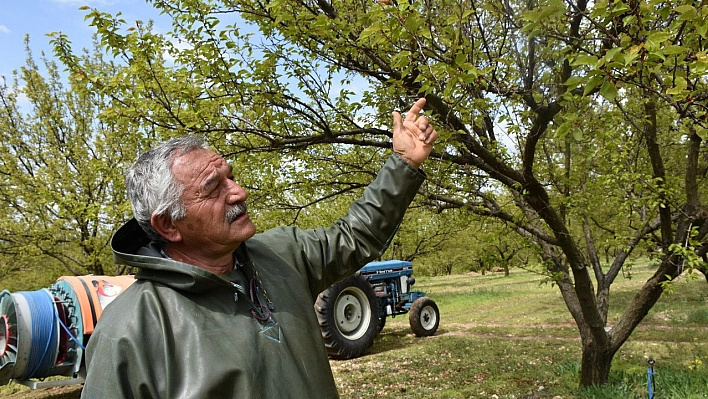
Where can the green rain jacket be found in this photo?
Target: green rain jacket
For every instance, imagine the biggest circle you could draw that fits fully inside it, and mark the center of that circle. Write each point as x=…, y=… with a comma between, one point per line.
x=182, y=332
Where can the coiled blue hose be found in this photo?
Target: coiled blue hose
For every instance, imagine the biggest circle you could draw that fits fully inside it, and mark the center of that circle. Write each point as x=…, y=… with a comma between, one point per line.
x=44, y=338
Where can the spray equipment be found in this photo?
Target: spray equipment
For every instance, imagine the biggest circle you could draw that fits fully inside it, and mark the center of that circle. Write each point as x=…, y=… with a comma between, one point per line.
x=44, y=333
x=650, y=379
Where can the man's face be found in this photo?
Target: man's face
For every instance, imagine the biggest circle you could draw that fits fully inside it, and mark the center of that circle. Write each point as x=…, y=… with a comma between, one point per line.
x=210, y=196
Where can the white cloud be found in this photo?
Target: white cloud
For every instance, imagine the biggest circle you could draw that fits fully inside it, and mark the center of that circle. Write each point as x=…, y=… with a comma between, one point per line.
x=4, y=29
x=179, y=45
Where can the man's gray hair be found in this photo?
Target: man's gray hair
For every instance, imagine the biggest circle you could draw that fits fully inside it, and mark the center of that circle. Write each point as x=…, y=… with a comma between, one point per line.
x=153, y=189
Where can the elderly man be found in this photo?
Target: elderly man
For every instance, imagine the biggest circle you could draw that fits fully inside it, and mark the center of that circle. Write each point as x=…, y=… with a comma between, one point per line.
x=218, y=311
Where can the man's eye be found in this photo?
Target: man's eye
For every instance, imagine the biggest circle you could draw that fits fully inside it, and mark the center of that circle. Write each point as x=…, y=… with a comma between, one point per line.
x=213, y=193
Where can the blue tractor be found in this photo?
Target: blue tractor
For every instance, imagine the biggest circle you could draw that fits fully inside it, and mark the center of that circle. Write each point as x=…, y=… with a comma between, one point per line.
x=353, y=311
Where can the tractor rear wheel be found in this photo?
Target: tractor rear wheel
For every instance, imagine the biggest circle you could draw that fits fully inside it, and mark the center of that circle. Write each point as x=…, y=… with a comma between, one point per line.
x=424, y=317
x=348, y=317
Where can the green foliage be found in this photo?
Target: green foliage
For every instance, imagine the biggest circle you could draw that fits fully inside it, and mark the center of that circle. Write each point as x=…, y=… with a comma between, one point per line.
x=468, y=243
x=61, y=167
x=31, y=274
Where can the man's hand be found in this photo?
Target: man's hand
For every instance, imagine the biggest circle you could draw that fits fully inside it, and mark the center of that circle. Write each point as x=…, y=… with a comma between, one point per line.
x=413, y=138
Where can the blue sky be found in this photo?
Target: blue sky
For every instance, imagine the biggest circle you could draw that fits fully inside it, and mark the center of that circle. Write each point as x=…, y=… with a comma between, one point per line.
x=39, y=17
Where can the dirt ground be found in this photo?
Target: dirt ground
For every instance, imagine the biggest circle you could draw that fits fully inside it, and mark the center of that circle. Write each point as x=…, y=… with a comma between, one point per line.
x=68, y=392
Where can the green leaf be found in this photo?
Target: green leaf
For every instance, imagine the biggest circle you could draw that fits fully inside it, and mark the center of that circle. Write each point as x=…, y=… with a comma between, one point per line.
x=619, y=8
x=593, y=83
x=702, y=29
x=413, y=24
x=578, y=135
x=629, y=58
x=680, y=85
x=657, y=54
x=460, y=58
x=549, y=11
x=610, y=55
x=700, y=66
x=368, y=32
x=675, y=50
x=682, y=9
x=563, y=129
x=608, y=91
x=573, y=82
x=688, y=15
x=659, y=37
x=584, y=59
x=470, y=76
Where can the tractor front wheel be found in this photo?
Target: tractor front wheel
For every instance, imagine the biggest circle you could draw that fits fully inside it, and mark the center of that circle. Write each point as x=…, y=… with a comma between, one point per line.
x=424, y=317
x=348, y=317
x=382, y=323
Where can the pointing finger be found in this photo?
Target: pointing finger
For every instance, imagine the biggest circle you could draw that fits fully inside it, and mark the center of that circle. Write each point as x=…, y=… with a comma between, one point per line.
x=415, y=109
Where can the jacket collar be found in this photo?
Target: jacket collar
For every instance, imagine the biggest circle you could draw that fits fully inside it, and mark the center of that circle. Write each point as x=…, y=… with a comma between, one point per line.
x=131, y=246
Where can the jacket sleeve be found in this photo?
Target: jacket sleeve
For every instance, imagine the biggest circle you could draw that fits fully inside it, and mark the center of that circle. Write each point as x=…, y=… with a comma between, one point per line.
x=329, y=254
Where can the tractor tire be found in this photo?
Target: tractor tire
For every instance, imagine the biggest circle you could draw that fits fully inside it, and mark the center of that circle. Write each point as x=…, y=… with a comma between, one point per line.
x=424, y=317
x=348, y=317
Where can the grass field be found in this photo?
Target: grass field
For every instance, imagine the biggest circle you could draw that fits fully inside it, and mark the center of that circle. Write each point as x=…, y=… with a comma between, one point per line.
x=511, y=337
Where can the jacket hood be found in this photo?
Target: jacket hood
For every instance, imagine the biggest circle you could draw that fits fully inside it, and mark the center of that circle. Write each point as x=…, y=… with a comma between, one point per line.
x=132, y=247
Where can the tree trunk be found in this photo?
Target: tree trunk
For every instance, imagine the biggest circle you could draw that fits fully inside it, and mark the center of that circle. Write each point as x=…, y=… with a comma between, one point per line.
x=596, y=362
x=597, y=353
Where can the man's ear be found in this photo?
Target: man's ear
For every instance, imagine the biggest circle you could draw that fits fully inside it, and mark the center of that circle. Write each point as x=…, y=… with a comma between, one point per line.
x=164, y=226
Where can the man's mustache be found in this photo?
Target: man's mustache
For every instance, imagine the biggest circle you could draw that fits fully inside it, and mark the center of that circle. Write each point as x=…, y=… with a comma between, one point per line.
x=235, y=211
